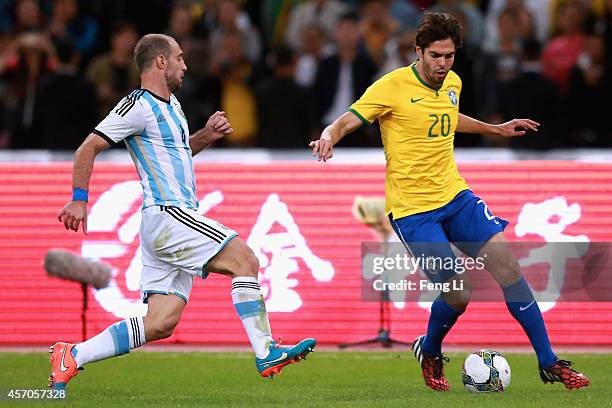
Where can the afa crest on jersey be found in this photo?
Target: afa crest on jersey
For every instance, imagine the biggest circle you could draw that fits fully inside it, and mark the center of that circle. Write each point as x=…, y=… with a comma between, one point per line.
x=452, y=96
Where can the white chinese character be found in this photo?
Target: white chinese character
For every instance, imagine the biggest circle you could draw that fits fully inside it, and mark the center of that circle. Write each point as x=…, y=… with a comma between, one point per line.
x=278, y=253
x=549, y=219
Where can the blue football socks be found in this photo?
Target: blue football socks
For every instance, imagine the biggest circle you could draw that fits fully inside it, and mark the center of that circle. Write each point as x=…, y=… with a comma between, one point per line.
x=525, y=310
x=443, y=317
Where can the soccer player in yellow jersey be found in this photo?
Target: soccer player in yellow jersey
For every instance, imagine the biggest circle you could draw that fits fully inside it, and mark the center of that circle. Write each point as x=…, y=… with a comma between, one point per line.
x=427, y=201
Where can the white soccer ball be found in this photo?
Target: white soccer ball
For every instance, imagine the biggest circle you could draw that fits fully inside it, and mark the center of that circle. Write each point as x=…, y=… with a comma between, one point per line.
x=486, y=371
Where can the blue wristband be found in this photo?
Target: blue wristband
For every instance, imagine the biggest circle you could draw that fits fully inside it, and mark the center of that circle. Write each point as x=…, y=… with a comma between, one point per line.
x=78, y=194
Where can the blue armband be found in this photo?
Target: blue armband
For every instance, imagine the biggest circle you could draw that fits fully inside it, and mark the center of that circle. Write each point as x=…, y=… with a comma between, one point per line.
x=78, y=194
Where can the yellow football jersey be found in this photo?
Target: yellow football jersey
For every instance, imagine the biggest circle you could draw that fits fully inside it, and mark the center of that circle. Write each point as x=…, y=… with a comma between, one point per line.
x=418, y=126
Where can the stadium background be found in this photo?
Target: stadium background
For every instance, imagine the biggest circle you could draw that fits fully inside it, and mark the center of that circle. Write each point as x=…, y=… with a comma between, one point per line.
x=64, y=63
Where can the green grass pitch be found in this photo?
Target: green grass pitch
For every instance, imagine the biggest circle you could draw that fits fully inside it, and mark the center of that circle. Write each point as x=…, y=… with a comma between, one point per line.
x=325, y=379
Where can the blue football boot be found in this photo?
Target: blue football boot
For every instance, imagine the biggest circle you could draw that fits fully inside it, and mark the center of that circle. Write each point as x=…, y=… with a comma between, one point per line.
x=281, y=356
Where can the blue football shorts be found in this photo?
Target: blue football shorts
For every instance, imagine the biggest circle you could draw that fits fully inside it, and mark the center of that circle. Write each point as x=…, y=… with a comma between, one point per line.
x=466, y=222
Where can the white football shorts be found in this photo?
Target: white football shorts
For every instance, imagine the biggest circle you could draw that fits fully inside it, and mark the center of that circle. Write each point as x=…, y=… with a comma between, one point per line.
x=177, y=244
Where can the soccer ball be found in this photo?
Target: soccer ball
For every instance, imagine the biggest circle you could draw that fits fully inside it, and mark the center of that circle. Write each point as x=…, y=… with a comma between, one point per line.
x=486, y=371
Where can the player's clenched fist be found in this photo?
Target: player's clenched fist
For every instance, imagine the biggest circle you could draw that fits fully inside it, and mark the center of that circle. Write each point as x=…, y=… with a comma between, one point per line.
x=73, y=214
x=218, y=126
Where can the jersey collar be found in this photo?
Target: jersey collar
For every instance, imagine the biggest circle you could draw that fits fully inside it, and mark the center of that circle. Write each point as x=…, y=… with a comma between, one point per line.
x=157, y=96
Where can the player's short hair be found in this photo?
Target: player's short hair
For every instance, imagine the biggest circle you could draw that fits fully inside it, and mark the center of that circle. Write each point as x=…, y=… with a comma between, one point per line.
x=437, y=27
x=149, y=47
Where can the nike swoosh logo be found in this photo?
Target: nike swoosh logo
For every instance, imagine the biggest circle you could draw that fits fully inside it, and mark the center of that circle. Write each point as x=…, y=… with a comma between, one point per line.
x=416, y=100
x=62, y=366
x=282, y=357
x=526, y=307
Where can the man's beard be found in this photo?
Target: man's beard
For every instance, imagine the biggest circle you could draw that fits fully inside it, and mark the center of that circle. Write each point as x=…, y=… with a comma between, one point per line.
x=174, y=83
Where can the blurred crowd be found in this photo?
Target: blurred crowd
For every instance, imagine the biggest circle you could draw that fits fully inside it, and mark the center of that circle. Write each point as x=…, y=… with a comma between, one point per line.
x=283, y=69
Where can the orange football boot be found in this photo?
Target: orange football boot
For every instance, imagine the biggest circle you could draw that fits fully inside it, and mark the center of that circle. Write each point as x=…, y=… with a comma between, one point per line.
x=63, y=365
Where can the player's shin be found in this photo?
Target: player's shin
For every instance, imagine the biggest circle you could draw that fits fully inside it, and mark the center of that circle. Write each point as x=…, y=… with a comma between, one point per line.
x=443, y=317
x=251, y=308
x=116, y=340
x=525, y=309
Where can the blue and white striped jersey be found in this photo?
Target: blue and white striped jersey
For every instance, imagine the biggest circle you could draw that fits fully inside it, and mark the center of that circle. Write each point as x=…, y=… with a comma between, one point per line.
x=156, y=134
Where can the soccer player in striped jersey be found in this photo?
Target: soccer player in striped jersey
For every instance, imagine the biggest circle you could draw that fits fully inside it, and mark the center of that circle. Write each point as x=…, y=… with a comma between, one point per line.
x=177, y=243
x=427, y=201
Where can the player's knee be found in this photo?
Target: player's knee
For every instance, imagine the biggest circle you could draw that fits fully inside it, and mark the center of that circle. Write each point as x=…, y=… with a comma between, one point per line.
x=252, y=264
x=459, y=299
x=249, y=265
x=164, y=328
x=509, y=270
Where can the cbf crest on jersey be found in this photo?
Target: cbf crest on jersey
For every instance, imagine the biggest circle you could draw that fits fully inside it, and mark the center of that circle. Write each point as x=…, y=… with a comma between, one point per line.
x=452, y=96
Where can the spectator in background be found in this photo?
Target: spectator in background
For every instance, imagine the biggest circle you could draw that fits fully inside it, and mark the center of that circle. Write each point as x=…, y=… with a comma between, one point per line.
x=183, y=26
x=28, y=18
x=230, y=19
x=66, y=106
x=400, y=53
x=180, y=23
x=561, y=52
x=592, y=9
x=344, y=76
x=114, y=74
x=22, y=64
x=205, y=14
x=315, y=48
x=22, y=17
x=406, y=13
x=532, y=95
x=496, y=69
x=233, y=73
x=67, y=24
x=607, y=31
x=324, y=13
x=377, y=28
x=589, y=95
x=538, y=10
x=464, y=65
x=526, y=26
x=471, y=14
x=285, y=110
x=274, y=20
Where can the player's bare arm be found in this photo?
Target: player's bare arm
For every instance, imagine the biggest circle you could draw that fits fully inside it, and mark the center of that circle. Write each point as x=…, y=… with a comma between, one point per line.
x=75, y=211
x=216, y=128
x=332, y=134
x=515, y=127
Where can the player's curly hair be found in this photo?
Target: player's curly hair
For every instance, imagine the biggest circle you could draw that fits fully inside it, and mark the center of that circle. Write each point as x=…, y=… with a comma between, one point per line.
x=149, y=47
x=437, y=27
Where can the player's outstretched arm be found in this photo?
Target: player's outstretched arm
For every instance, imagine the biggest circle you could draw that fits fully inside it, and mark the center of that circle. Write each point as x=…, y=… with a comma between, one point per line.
x=75, y=211
x=515, y=127
x=216, y=127
x=323, y=149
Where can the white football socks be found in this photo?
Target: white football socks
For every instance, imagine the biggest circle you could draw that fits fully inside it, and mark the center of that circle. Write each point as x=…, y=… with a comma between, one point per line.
x=251, y=308
x=116, y=340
